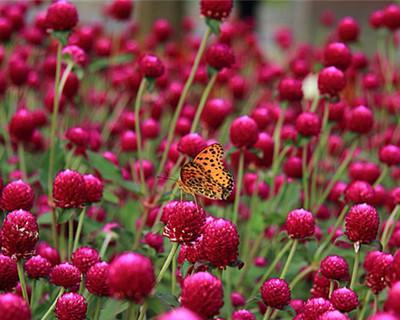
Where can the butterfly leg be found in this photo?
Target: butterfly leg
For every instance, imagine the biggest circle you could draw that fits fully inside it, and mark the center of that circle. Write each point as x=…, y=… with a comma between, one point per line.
x=181, y=195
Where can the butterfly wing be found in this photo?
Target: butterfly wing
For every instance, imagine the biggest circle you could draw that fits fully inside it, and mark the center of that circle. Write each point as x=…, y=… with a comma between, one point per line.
x=210, y=160
x=196, y=181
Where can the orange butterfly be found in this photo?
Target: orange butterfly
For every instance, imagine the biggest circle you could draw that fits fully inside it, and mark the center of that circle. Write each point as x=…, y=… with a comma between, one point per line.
x=205, y=175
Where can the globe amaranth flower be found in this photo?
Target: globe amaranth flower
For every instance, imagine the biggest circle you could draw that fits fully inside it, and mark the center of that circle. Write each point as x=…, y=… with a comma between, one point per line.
x=362, y=223
x=220, y=242
x=131, y=276
x=203, y=294
x=19, y=234
x=185, y=222
x=13, y=307
x=71, y=306
x=275, y=293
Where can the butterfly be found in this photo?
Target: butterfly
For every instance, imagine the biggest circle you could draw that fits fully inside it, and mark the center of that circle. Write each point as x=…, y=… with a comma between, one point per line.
x=205, y=175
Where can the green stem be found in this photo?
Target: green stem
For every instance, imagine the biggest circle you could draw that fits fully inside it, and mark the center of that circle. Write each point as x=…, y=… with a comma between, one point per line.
x=238, y=187
x=203, y=101
x=97, y=309
x=331, y=287
x=381, y=176
x=33, y=293
x=49, y=311
x=21, y=277
x=355, y=266
x=54, y=115
x=139, y=96
x=273, y=265
x=64, y=78
x=79, y=229
x=277, y=138
x=305, y=176
x=376, y=303
x=289, y=258
x=339, y=172
x=138, y=233
x=301, y=275
x=167, y=262
x=143, y=310
x=70, y=236
x=21, y=158
x=182, y=99
x=329, y=238
x=314, y=104
x=105, y=244
x=389, y=227
x=173, y=276
x=365, y=304
x=268, y=313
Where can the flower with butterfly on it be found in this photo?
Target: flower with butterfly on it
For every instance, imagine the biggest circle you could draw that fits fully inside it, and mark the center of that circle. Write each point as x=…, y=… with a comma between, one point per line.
x=205, y=175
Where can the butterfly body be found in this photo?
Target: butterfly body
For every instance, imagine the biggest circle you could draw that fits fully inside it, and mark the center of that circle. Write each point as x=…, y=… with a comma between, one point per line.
x=205, y=175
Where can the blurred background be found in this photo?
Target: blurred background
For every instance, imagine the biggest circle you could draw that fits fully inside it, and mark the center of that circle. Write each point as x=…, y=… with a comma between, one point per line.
x=302, y=16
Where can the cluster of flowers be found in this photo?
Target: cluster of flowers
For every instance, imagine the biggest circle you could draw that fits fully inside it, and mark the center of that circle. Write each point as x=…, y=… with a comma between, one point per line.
x=313, y=141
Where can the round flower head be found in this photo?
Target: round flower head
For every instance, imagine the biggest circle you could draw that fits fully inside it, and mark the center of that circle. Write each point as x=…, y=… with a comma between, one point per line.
x=391, y=16
x=131, y=276
x=203, y=294
x=383, y=316
x=8, y=273
x=348, y=29
x=359, y=192
x=344, y=299
x=300, y=224
x=216, y=9
x=121, y=9
x=275, y=293
x=334, y=315
x=13, y=307
x=390, y=155
x=69, y=189
x=362, y=223
x=48, y=252
x=243, y=315
x=308, y=124
x=179, y=314
x=96, y=279
x=65, y=275
x=94, y=188
x=71, y=306
x=220, y=56
x=337, y=54
x=220, y=243
x=185, y=222
x=393, y=298
x=335, y=268
x=379, y=269
x=21, y=125
x=290, y=89
x=243, y=132
x=19, y=234
x=17, y=195
x=61, y=16
x=37, y=267
x=360, y=120
x=331, y=81
x=191, y=144
x=316, y=307
x=75, y=53
x=151, y=66
x=85, y=257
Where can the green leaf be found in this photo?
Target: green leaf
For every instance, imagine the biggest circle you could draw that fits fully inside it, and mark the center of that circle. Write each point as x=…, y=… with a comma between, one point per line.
x=112, y=308
x=61, y=36
x=45, y=218
x=65, y=215
x=110, y=172
x=103, y=63
x=110, y=197
x=107, y=169
x=214, y=25
x=211, y=71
